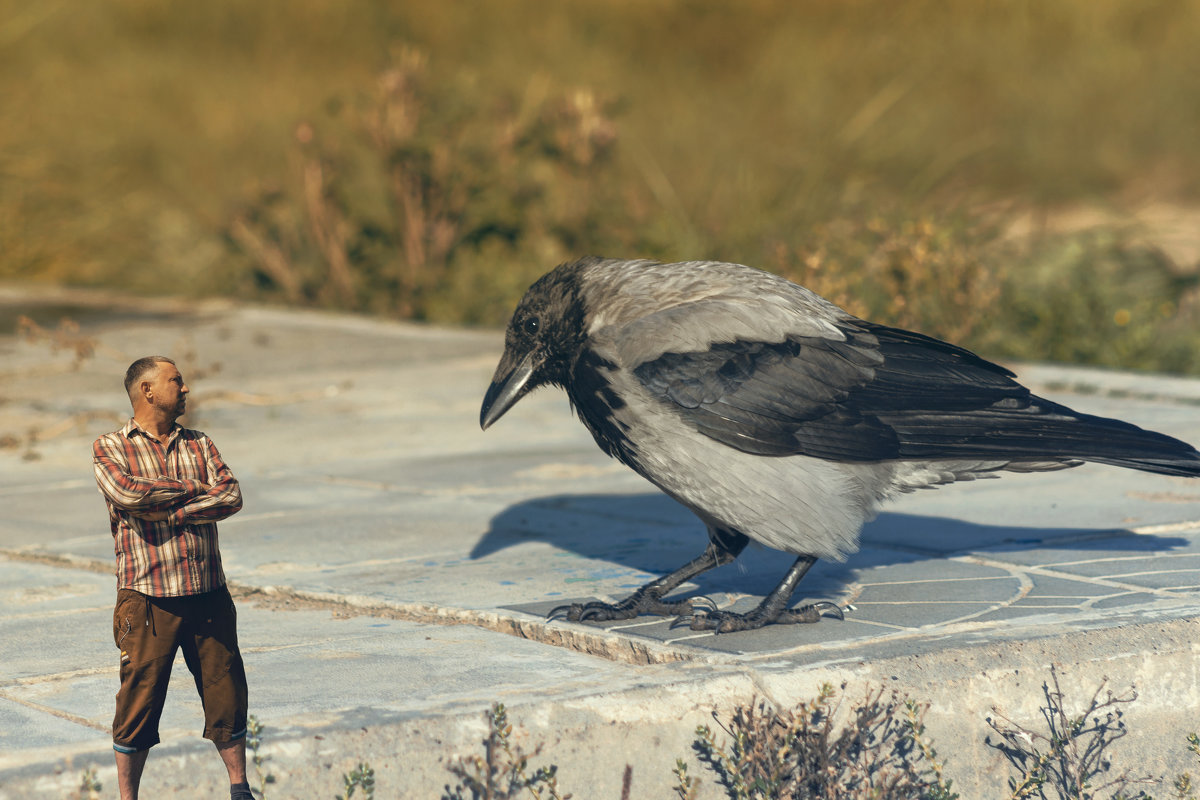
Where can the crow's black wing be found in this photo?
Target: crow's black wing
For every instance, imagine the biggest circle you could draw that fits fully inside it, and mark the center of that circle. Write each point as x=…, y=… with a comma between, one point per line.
x=881, y=394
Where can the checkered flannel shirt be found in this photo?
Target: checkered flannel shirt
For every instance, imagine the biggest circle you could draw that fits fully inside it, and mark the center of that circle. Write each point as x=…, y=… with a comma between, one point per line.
x=186, y=478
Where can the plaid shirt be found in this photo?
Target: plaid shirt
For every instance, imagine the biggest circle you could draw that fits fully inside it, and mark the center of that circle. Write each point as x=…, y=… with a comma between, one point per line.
x=186, y=478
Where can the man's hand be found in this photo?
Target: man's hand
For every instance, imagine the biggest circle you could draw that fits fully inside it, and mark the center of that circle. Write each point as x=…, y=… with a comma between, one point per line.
x=154, y=516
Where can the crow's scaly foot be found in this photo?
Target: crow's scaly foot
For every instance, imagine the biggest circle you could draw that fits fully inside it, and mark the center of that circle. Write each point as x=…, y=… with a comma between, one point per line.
x=729, y=621
x=635, y=605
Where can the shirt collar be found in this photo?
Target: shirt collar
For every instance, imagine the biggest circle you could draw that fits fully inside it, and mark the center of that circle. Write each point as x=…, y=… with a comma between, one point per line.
x=132, y=427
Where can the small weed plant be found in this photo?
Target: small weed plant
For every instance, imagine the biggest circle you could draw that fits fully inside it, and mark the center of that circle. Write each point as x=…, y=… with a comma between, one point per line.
x=361, y=777
x=1184, y=788
x=1071, y=759
x=254, y=731
x=875, y=748
x=89, y=786
x=502, y=773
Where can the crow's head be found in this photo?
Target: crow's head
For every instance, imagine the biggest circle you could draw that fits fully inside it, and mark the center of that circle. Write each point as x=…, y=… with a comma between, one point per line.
x=543, y=339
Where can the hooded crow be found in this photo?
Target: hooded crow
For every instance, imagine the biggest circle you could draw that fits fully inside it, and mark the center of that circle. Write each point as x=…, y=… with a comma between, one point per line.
x=776, y=416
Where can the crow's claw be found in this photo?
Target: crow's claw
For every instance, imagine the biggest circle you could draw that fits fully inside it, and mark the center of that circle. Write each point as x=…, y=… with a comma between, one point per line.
x=682, y=621
x=834, y=609
x=559, y=612
x=702, y=604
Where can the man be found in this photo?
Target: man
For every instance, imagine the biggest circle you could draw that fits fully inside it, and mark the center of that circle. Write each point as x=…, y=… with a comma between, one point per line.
x=166, y=488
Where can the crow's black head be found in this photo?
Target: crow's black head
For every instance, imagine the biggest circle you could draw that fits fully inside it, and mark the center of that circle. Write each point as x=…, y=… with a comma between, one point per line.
x=543, y=339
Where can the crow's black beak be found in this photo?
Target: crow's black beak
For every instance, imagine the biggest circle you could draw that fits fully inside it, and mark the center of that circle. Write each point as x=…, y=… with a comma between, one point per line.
x=508, y=386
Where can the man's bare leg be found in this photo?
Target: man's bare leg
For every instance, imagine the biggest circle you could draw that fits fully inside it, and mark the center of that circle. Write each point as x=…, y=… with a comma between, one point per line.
x=234, y=755
x=129, y=772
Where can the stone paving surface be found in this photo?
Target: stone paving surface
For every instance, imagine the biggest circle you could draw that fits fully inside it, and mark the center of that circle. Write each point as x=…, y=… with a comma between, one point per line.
x=393, y=565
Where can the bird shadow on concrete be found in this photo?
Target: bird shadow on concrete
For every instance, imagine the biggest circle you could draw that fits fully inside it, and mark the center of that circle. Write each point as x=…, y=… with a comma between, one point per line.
x=651, y=533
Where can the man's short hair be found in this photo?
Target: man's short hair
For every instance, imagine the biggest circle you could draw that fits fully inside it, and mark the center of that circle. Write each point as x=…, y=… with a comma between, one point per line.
x=138, y=369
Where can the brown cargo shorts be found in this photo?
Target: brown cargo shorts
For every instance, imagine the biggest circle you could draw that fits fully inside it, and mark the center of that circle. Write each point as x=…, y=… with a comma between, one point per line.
x=148, y=632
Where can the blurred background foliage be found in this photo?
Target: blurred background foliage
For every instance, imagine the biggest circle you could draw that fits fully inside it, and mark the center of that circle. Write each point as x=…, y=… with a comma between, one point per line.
x=1019, y=176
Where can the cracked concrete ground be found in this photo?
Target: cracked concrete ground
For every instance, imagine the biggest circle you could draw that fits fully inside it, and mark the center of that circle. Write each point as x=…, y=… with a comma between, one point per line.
x=393, y=565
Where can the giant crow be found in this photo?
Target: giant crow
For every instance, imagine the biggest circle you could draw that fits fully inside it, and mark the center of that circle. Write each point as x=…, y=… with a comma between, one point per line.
x=776, y=416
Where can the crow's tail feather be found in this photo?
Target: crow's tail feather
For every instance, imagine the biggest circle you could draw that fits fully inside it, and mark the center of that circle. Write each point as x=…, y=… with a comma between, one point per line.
x=1044, y=430
x=1179, y=467
x=1122, y=444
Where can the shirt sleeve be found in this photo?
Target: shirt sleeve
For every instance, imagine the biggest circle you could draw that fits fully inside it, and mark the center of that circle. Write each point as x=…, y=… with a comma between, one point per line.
x=134, y=493
x=222, y=499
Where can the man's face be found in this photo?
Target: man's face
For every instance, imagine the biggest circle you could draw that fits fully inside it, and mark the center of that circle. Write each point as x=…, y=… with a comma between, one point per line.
x=168, y=391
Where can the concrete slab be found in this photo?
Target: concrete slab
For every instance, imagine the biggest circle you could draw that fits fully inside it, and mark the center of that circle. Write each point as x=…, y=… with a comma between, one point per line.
x=394, y=565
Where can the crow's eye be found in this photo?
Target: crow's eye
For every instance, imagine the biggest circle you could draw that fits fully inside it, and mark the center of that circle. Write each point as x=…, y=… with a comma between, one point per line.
x=532, y=325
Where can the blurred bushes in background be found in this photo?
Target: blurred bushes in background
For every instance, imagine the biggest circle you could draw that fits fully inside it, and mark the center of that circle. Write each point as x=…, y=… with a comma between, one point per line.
x=923, y=164
x=421, y=198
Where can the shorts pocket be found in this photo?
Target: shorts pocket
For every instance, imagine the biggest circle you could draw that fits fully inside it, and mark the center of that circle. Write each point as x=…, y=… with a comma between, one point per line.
x=128, y=614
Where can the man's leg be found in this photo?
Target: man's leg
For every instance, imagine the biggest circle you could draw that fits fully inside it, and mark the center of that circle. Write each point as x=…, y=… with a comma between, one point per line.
x=129, y=772
x=212, y=654
x=234, y=755
x=145, y=637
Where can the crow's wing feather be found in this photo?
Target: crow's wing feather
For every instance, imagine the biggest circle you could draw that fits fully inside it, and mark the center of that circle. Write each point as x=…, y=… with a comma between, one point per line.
x=882, y=393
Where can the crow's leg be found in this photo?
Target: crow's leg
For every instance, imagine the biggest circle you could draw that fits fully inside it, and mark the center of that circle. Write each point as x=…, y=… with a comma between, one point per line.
x=724, y=546
x=773, y=608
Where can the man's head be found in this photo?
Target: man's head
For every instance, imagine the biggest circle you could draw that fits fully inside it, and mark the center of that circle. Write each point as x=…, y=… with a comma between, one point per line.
x=155, y=386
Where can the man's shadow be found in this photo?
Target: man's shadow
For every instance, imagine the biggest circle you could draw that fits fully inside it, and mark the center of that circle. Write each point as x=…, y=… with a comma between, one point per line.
x=653, y=534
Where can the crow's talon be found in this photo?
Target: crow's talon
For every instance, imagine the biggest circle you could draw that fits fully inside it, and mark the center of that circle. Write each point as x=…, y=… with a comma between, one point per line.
x=683, y=620
x=837, y=611
x=701, y=605
x=559, y=612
